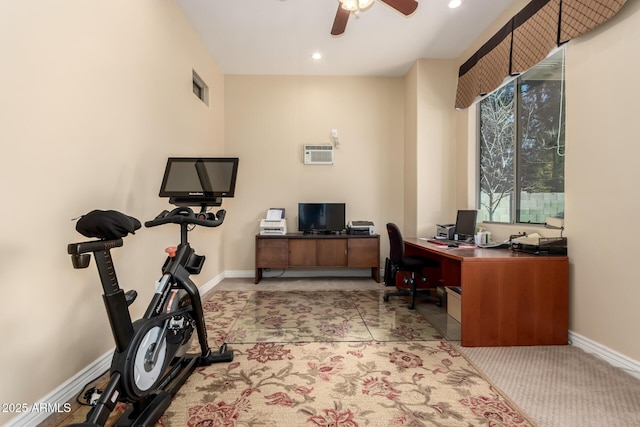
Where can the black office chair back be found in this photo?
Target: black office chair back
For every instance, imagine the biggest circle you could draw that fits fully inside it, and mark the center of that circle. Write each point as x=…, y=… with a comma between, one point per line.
x=396, y=244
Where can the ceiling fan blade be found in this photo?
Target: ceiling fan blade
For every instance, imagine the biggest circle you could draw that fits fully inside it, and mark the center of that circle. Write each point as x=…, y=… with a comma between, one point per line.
x=406, y=7
x=340, y=22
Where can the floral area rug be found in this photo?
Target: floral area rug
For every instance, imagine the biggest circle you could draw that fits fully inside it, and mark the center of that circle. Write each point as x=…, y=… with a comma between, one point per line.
x=343, y=359
x=329, y=370
x=342, y=384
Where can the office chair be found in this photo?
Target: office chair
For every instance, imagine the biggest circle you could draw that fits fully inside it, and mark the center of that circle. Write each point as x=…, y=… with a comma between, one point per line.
x=407, y=265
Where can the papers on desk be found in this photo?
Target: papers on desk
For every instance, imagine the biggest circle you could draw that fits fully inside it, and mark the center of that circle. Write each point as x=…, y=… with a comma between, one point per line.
x=532, y=239
x=494, y=245
x=538, y=245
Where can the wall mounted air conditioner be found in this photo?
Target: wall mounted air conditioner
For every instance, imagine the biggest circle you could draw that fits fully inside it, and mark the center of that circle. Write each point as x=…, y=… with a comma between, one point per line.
x=318, y=154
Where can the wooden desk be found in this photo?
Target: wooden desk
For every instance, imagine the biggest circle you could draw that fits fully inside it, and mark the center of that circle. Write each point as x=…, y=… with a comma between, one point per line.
x=318, y=250
x=508, y=298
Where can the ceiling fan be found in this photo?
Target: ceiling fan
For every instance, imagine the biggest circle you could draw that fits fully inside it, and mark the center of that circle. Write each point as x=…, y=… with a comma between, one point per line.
x=346, y=7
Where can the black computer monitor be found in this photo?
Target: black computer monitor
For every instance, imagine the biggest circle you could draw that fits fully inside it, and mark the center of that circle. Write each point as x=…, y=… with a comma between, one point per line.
x=466, y=224
x=195, y=181
x=321, y=217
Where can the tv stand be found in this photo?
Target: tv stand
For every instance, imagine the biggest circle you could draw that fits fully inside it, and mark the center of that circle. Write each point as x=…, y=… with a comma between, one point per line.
x=322, y=233
x=329, y=251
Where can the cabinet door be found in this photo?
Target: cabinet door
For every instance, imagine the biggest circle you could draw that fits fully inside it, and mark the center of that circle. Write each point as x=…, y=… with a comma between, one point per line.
x=364, y=252
x=272, y=253
x=302, y=252
x=332, y=252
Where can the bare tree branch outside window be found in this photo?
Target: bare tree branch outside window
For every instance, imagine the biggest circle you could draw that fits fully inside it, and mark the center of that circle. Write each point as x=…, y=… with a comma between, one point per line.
x=522, y=146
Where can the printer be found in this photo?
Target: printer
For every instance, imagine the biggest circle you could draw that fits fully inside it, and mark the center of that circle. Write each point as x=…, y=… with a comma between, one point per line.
x=276, y=228
x=445, y=231
x=274, y=224
x=361, y=227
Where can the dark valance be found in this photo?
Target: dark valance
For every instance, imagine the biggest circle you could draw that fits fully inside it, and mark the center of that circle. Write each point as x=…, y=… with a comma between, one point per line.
x=527, y=39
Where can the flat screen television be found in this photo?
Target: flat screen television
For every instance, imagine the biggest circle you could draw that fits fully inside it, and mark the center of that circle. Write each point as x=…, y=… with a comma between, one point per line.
x=321, y=217
x=199, y=181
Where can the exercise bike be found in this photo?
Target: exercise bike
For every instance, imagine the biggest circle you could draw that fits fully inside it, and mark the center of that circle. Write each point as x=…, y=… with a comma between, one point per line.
x=151, y=360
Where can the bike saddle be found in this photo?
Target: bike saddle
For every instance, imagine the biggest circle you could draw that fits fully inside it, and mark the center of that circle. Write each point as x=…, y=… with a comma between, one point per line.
x=107, y=225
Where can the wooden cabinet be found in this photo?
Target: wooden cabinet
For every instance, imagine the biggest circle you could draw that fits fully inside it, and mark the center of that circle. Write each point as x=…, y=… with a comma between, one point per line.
x=327, y=251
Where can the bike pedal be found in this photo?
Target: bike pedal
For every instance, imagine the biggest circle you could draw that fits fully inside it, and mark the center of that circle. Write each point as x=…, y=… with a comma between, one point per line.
x=92, y=395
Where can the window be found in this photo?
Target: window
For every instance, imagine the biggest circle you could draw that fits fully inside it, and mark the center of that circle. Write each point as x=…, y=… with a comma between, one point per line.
x=521, y=147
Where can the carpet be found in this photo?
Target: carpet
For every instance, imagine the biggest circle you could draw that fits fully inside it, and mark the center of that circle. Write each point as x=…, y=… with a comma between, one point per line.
x=414, y=380
x=561, y=386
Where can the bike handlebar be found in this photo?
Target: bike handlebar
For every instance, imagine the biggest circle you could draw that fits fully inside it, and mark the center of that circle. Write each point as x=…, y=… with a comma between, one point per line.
x=185, y=215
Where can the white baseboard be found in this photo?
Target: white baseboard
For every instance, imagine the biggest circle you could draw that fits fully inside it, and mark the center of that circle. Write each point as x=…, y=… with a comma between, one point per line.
x=612, y=357
x=211, y=283
x=239, y=274
x=64, y=393
x=343, y=272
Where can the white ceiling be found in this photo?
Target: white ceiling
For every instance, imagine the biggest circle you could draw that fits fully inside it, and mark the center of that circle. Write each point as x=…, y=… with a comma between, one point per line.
x=279, y=36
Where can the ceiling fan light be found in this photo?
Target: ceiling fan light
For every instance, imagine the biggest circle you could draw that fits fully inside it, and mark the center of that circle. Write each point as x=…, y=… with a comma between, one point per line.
x=355, y=5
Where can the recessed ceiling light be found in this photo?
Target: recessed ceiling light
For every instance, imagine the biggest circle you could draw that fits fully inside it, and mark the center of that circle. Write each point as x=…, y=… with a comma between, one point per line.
x=455, y=3
x=316, y=55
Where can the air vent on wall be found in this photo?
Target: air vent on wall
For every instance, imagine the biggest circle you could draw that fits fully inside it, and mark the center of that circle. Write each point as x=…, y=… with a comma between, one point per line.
x=318, y=154
x=200, y=88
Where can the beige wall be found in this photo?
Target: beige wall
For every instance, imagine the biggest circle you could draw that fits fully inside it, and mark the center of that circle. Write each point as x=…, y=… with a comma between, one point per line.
x=430, y=146
x=94, y=96
x=602, y=152
x=410, y=176
x=270, y=118
x=436, y=145
x=601, y=176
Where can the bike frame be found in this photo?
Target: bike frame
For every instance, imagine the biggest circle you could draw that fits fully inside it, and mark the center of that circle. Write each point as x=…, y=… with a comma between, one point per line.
x=168, y=311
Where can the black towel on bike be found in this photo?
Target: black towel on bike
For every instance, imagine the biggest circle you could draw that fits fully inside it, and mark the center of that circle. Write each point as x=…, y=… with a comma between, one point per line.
x=107, y=225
